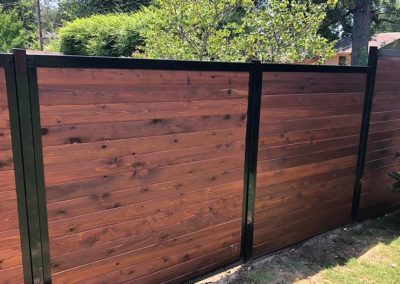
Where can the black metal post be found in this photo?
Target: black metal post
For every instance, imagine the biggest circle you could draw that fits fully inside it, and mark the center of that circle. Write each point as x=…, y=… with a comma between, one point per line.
x=250, y=174
x=18, y=169
x=369, y=94
x=41, y=193
x=29, y=164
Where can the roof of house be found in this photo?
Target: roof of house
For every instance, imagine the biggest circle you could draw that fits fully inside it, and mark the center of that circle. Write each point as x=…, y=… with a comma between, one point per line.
x=379, y=40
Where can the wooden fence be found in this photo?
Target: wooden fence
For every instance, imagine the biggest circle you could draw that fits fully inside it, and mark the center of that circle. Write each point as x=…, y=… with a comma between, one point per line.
x=146, y=171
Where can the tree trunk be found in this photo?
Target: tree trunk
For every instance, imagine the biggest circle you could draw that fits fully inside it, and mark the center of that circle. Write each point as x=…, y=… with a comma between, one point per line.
x=361, y=31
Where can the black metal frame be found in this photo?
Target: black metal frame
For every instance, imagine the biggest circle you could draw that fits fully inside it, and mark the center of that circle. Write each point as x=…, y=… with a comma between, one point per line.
x=7, y=62
x=362, y=149
x=27, y=144
x=250, y=174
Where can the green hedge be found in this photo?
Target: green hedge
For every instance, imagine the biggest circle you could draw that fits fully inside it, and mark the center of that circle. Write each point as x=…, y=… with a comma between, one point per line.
x=100, y=35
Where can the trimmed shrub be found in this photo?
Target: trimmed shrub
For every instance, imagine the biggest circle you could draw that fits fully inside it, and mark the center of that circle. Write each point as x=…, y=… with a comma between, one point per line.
x=100, y=35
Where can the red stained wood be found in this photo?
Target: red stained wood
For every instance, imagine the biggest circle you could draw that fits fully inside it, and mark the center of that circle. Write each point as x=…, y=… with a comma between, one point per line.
x=143, y=170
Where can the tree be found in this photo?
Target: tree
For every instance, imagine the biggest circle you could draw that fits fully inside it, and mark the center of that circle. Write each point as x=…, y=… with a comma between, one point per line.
x=74, y=9
x=360, y=19
x=100, y=35
x=24, y=12
x=233, y=30
x=12, y=32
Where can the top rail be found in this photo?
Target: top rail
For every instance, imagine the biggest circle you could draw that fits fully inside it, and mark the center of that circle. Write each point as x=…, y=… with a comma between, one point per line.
x=67, y=61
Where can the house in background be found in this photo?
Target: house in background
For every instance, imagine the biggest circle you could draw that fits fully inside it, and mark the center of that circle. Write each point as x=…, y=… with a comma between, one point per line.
x=343, y=47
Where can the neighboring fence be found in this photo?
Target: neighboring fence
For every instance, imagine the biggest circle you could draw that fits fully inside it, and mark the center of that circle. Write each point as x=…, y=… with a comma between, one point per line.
x=145, y=171
x=384, y=138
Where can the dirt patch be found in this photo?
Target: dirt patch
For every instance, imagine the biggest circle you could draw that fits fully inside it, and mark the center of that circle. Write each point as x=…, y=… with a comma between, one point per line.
x=301, y=262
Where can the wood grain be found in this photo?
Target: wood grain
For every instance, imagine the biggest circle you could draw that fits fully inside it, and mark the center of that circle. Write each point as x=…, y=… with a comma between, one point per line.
x=143, y=171
x=383, y=142
x=309, y=135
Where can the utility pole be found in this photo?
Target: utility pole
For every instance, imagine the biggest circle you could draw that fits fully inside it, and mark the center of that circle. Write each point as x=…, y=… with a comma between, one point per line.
x=39, y=20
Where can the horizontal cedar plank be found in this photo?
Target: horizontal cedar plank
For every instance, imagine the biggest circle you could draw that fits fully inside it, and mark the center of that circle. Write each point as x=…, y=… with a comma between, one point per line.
x=81, y=206
x=7, y=180
x=135, y=77
x=391, y=96
x=188, y=269
x=383, y=144
x=382, y=153
x=9, y=220
x=286, y=212
x=383, y=135
x=102, y=219
x=136, y=233
x=225, y=241
x=292, y=113
x=277, y=206
x=100, y=113
x=60, y=154
x=271, y=200
x=101, y=188
x=143, y=162
x=6, y=160
x=385, y=125
x=309, y=227
x=379, y=163
x=9, y=203
x=326, y=218
x=5, y=140
x=294, y=173
x=84, y=133
x=7, y=196
x=310, y=124
x=300, y=160
x=385, y=106
x=387, y=86
x=270, y=226
x=303, y=182
x=323, y=99
x=2, y=76
x=384, y=116
x=9, y=239
x=12, y=275
x=131, y=258
x=308, y=82
x=387, y=76
x=10, y=258
x=3, y=96
x=379, y=172
x=280, y=139
x=4, y=117
x=265, y=152
x=82, y=251
x=148, y=175
x=387, y=65
x=88, y=95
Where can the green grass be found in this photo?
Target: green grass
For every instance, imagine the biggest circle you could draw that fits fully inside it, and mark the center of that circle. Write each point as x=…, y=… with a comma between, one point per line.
x=381, y=264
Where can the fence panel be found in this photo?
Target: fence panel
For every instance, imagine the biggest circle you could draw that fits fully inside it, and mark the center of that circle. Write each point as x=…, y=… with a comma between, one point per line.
x=309, y=135
x=384, y=139
x=143, y=172
x=10, y=246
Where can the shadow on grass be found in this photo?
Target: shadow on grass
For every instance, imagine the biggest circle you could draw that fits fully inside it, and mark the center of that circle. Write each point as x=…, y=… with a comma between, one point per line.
x=306, y=259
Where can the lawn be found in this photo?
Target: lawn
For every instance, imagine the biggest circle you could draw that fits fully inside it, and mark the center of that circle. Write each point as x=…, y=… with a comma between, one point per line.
x=367, y=252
